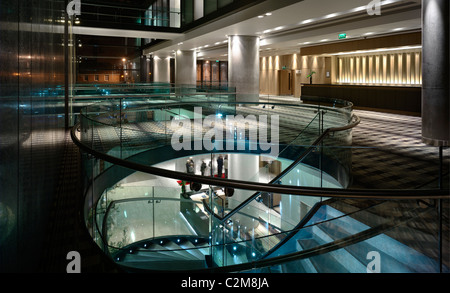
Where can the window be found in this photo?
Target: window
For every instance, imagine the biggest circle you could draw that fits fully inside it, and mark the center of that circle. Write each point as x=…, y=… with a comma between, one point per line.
x=96, y=77
x=106, y=77
x=86, y=78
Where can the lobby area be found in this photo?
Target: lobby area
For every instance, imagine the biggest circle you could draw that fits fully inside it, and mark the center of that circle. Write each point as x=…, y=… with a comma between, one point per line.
x=225, y=137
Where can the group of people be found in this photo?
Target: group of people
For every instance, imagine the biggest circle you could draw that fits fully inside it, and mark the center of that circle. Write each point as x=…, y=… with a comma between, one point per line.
x=222, y=165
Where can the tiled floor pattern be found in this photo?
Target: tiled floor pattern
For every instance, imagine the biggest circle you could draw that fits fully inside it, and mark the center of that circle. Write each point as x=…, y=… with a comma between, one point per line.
x=388, y=153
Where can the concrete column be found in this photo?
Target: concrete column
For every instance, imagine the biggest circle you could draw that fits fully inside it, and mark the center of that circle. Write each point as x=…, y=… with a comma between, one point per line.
x=243, y=167
x=243, y=67
x=435, y=72
x=144, y=69
x=161, y=69
x=185, y=68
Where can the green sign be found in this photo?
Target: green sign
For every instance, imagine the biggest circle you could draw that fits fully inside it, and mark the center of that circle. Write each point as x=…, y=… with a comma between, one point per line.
x=342, y=36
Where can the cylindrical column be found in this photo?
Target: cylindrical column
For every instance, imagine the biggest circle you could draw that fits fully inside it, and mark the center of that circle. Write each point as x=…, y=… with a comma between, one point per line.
x=243, y=67
x=161, y=69
x=243, y=167
x=185, y=68
x=435, y=76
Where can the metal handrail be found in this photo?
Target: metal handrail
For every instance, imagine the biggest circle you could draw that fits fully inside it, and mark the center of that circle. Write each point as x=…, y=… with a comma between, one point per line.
x=384, y=194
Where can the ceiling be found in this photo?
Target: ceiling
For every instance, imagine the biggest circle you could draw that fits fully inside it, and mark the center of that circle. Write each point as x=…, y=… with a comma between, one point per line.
x=284, y=30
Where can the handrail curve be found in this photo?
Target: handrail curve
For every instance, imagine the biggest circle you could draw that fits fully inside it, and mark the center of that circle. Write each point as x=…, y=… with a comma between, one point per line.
x=392, y=194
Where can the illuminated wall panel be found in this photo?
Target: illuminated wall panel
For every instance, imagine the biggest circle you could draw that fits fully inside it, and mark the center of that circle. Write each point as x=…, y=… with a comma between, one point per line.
x=393, y=68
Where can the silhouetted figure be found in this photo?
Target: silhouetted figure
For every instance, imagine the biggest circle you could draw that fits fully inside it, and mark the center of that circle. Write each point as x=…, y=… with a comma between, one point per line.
x=203, y=168
x=219, y=166
x=225, y=166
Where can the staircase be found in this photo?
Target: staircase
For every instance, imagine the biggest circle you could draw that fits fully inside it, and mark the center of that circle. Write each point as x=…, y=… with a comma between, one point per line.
x=332, y=225
x=166, y=253
x=327, y=225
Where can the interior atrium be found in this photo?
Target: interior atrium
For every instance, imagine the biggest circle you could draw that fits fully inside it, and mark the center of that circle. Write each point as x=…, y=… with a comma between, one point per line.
x=225, y=136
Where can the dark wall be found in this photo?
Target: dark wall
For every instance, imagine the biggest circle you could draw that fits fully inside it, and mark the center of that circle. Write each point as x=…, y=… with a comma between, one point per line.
x=31, y=129
x=393, y=99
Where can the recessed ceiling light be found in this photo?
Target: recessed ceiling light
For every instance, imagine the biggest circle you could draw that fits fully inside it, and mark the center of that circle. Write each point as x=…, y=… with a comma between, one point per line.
x=269, y=13
x=260, y=16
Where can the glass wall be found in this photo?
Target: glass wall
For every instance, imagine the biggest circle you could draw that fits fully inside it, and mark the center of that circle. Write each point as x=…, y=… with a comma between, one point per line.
x=192, y=10
x=32, y=133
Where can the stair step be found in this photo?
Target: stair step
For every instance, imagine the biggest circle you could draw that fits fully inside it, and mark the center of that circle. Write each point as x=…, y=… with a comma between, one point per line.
x=176, y=248
x=405, y=257
x=192, y=249
x=324, y=263
x=299, y=266
x=145, y=256
x=321, y=236
x=360, y=250
x=163, y=250
x=395, y=256
x=173, y=265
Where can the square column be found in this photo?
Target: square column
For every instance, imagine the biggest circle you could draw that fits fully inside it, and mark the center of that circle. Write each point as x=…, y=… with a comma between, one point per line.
x=161, y=69
x=185, y=68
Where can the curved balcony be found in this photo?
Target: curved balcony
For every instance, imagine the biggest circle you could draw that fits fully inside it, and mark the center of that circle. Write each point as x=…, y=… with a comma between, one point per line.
x=281, y=206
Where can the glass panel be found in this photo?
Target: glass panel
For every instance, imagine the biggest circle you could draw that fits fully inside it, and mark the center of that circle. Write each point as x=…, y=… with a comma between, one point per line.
x=187, y=12
x=209, y=6
x=135, y=213
x=223, y=3
x=382, y=237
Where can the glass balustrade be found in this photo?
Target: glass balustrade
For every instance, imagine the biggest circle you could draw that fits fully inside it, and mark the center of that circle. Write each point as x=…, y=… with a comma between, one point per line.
x=308, y=229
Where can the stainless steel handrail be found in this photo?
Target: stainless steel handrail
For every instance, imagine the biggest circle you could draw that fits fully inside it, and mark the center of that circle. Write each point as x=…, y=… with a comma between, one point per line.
x=392, y=194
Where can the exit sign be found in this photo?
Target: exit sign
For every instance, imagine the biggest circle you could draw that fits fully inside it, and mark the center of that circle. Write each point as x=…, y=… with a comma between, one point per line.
x=342, y=36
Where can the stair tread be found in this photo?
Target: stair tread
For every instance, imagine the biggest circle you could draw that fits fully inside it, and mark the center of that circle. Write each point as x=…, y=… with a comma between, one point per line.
x=168, y=265
x=324, y=263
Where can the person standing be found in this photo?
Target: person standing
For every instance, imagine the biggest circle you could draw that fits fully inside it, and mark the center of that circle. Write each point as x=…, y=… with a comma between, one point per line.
x=225, y=166
x=203, y=167
x=219, y=166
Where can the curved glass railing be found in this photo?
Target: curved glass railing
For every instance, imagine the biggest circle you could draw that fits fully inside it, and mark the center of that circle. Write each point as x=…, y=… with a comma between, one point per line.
x=83, y=96
x=251, y=222
x=326, y=240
